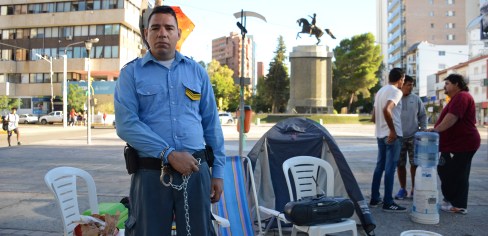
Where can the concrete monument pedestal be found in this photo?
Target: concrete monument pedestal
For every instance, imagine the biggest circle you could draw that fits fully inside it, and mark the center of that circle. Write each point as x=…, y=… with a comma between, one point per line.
x=311, y=80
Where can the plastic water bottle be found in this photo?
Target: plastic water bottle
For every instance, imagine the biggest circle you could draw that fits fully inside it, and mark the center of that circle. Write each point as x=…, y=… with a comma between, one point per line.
x=426, y=149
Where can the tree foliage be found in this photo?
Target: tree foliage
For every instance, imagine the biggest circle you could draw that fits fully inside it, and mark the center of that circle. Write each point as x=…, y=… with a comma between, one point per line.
x=357, y=62
x=8, y=103
x=226, y=92
x=276, y=86
x=76, y=97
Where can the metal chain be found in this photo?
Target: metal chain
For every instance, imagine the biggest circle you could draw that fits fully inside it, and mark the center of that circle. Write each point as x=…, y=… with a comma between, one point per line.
x=185, y=193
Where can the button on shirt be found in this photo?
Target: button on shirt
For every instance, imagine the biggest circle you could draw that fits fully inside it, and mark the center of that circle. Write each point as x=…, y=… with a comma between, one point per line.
x=153, y=109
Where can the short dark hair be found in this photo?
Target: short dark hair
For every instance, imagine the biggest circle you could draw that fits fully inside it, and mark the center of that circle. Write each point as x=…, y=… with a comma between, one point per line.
x=409, y=78
x=14, y=108
x=164, y=10
x=395, y=75
x=459, y=80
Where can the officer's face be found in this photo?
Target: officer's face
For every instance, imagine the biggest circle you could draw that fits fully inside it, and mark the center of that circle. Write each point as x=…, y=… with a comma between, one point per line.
x=162, y=36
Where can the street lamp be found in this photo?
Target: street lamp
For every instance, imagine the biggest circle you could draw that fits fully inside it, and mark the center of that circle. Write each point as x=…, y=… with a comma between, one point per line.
x=88, y=45
x=50, y=76
x=242, y=81
x=65, y=78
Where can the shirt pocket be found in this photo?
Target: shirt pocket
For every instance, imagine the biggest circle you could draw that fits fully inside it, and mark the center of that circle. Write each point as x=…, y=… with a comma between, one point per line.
x=192, y=95
x=150, y=96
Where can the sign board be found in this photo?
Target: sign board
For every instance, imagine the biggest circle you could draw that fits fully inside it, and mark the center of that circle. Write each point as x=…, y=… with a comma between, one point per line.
x=99, y=87
x=247, y=81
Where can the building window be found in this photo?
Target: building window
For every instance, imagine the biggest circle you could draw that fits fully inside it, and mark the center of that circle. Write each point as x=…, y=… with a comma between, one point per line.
x=451, y=37
x=450, y=13
x=450, y=2
x=442, y=53
x=450, y=25
x=431, y=13
x=431, y=25
x=26, y=103
x=442, y=66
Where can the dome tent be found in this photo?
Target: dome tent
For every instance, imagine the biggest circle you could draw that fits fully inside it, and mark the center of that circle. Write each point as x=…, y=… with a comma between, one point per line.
x=303, y=137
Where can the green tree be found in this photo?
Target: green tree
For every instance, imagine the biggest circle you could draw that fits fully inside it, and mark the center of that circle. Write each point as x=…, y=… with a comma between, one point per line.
x=7, y=103
x=357, y=61
x=76, y=97
x=277, y=82
x=259, y=101
x=226, y=92
x=4, y=103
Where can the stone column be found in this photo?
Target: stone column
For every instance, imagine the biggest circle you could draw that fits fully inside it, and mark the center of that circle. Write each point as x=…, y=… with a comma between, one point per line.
x=310, y=80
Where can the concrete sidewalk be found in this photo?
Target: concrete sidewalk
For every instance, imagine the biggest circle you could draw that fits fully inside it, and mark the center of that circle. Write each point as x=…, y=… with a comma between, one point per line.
x=28, y=208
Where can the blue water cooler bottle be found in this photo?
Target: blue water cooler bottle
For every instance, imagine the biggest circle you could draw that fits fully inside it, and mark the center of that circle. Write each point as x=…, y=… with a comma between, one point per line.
x=425, y=207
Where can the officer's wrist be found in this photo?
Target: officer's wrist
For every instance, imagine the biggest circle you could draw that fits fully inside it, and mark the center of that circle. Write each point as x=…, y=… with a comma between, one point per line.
x=165, y=153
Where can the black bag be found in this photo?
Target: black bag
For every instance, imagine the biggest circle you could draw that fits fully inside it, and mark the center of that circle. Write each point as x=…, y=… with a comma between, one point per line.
x=322, y=209
x=5, y=125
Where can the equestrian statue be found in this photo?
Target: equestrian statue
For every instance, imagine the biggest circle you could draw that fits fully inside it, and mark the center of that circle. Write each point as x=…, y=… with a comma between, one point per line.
x=312, y=29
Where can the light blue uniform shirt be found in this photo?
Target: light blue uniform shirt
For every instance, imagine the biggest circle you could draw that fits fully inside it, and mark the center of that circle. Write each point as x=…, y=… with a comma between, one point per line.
x=158, y=108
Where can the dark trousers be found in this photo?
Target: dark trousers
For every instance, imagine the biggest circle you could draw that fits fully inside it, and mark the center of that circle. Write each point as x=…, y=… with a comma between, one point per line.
x=153, y=205
x=454, y=169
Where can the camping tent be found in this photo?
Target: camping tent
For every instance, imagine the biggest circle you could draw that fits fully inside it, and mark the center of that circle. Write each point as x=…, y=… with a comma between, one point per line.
x=302, y=137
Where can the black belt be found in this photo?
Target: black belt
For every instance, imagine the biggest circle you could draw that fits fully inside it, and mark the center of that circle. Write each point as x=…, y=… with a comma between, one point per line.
x=156, y=163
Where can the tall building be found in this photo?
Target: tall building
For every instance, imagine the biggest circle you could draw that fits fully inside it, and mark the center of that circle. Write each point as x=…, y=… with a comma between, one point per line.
x=440, y=22
x=227, y=51
x=33, y=32
x=424, y=59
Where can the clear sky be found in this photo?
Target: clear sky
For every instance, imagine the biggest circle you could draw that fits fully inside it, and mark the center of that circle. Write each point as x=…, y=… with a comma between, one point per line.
x=214, y=19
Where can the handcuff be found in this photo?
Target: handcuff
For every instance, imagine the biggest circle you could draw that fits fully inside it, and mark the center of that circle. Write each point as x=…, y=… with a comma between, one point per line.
x=168, y=170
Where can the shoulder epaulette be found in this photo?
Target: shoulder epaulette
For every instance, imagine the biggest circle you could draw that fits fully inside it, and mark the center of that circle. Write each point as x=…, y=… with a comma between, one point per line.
x=129, y=62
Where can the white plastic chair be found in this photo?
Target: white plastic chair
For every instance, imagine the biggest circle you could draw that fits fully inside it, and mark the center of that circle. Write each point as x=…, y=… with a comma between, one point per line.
x=62, y=182
x=304, y=170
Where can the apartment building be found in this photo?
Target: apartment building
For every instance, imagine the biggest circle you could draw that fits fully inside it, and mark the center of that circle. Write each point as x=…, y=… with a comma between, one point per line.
x=227, y=51
x=424, y=59
x=440, y=22
x=35, y=32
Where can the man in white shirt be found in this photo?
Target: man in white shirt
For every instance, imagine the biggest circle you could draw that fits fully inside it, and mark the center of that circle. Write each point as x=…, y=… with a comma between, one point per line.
x=13, y=126
x=387, y=117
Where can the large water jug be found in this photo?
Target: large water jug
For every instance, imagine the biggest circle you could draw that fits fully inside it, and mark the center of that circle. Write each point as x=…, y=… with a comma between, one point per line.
x=426, y=149
x=425, y=179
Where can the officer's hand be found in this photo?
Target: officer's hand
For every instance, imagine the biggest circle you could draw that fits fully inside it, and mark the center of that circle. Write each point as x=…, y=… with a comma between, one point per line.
x=216, y=189
x=183, y=162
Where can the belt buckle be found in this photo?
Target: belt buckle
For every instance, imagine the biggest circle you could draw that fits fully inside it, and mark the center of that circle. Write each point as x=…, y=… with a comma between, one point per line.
x=165, y=170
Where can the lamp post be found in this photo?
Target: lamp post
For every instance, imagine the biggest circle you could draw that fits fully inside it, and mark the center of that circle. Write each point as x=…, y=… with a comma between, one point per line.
x=88, y=45
x=50, y=77
x=65, y=78
x=242, y=81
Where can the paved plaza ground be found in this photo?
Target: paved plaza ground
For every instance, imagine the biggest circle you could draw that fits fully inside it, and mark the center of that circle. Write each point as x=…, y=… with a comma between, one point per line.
x=28, y=208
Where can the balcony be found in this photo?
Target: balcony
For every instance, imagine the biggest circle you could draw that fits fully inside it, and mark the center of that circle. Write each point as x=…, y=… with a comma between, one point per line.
x=392, y=4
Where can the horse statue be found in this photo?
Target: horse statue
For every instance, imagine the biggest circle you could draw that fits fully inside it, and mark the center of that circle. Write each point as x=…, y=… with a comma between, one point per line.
x=308, y=29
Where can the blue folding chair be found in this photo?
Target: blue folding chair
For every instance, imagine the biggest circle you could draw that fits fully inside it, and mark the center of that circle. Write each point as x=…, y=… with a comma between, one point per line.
x=234, y=203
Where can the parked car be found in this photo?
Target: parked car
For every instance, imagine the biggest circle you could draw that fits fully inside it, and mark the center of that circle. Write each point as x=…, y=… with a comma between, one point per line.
x=53, y=117
x=28, y=119
x=226, y=118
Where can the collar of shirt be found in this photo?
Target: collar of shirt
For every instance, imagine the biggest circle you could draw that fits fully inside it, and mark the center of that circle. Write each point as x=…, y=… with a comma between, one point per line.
x=149, y=57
